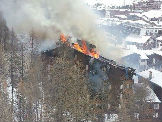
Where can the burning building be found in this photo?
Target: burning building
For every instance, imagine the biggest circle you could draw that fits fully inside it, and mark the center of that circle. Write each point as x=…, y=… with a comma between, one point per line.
x=103, y=74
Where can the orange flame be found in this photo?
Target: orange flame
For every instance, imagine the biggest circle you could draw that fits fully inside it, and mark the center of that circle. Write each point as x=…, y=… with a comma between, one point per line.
x=63, y=38
x=94, y=53
x=83, y=48
x=77, y=47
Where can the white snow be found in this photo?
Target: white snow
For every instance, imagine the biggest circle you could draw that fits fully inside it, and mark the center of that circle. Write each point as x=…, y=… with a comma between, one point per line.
x=135, y=78
x=121, y=16
x=153, y=13
x=101, y=7
x=158, y=52
x=156, y=76
x=152, y=96
x=143, y=56
x=110, y=2
x=136, y=1
x=132, y=49
x=159, y=38
x=129, y=49
x=141, y=22
x=102, y=21
x=137, y=14
x=111, y=118
x=137, y=39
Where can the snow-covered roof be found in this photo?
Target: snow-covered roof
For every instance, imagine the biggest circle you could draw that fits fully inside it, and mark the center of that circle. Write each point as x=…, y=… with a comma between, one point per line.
x=136, y=14
x=141, y=22
x=121, y=16
x=143, y=56
x=153, y=13
x=109, y=2
x=153, y=27
x=137, y=39
x=158, y=23
x=111, y=118
x=156, y=76
x=135, y=78
x=101, y=7
x=152, y=97
x=159, y=38
x=136, y=22
x=157, y=52
x=102, y=21
x=136, y=1
x=132, y=49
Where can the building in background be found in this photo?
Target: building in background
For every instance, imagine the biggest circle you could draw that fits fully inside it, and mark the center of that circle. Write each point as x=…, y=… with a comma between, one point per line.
x=146, y=5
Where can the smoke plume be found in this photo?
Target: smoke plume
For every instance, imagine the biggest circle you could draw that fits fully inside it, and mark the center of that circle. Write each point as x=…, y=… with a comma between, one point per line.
x=52, y=17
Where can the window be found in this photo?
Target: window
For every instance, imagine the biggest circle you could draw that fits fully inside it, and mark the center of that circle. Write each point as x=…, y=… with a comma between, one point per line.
x=121, y=96
x=136, y=115
x=154, y=61
x=48, y=67
x=86, y=67
x=156, y=106
x=49, y=77
x=104, y=69
x=142, y=60
x=109, y=87
x=127, y=86
x=108, y=106
x=121, y=87
x=119, y=106
x=155, y=115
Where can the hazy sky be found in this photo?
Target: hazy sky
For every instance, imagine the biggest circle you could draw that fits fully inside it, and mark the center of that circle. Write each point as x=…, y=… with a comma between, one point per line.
x=112, y=2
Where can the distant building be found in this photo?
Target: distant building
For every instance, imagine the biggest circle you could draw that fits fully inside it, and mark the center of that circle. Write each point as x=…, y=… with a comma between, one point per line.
x=150, y=44
x=151, y=30
x=139, y=41
x=153, y=15
x=159, y=42
x=152, y=108
x=155, y=80
x=147, y=5
x=114, y=12
x=155, y=61
x=136, y=60
x=107, y=15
